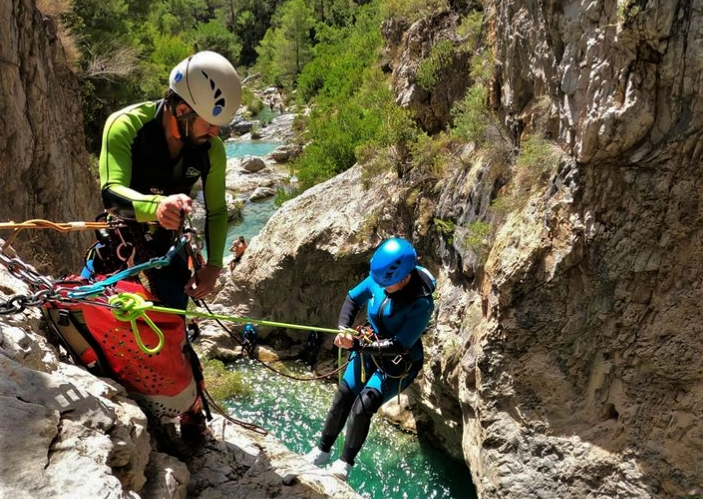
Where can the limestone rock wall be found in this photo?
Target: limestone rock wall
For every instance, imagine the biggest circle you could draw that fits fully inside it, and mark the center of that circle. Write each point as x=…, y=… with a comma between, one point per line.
x=581, y=377
x=407, y=47
x=43, y=163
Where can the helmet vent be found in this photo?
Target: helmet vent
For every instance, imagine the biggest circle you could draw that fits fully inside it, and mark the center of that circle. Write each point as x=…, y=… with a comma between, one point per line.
x=221, y=103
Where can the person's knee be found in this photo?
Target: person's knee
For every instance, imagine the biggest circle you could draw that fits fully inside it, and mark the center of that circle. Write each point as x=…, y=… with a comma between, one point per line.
x=368, y=402
x=344, y=394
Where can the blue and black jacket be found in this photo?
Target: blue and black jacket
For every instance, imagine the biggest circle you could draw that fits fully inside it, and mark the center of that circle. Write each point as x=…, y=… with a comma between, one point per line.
x=399, y=318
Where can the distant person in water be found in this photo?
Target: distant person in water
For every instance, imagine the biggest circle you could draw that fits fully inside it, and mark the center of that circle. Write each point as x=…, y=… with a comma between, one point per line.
x=238, y=248
x=250, y=336
x=312, y=348
x=398, y=298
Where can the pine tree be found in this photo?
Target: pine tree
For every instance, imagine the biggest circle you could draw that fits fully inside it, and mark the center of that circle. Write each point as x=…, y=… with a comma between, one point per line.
x=292, y=42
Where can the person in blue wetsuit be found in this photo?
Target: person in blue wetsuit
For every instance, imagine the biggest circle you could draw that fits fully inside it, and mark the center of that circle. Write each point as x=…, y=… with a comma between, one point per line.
x=398, y=298
x=250, y=336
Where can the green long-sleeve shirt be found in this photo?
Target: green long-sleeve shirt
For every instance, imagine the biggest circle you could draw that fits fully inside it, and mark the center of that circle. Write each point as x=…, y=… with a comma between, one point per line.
x=137, y=172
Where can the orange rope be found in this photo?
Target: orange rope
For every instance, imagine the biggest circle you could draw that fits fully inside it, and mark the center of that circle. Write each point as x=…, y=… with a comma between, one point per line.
x=58, y=226
x=62, y=227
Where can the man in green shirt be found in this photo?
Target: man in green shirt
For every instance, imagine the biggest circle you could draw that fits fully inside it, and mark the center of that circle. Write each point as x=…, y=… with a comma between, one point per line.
x=152, y=155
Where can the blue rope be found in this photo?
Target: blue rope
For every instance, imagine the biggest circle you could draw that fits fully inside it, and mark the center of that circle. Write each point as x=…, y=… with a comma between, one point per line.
x=98, y=287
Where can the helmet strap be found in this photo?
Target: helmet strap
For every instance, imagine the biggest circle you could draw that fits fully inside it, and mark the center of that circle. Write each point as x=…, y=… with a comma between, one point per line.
x=180, y=125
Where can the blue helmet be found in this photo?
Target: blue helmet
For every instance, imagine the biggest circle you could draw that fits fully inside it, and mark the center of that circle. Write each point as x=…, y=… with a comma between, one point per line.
x=392, y=261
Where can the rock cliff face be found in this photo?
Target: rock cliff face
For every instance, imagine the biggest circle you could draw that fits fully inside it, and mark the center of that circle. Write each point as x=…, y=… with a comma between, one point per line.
x=43, y=162
x=583, y=371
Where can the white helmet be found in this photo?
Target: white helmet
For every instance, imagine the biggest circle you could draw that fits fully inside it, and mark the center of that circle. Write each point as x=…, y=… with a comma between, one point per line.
x=209, y=84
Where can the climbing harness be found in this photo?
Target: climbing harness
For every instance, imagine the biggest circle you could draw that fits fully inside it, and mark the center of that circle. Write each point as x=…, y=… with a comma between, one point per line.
x=366, y=335
x=99, y=287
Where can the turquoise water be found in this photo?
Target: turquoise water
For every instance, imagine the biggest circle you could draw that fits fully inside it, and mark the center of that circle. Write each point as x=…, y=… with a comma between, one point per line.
x=236, y=149
x=254, y=214
x=392, y=464
x=254, y=217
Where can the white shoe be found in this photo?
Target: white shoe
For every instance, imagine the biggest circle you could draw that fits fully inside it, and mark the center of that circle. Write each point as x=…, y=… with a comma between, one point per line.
x=317, y=456
x=340, y=469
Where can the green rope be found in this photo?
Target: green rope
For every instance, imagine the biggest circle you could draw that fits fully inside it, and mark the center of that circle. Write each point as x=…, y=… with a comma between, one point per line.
x=133, y=305
x=340, y=442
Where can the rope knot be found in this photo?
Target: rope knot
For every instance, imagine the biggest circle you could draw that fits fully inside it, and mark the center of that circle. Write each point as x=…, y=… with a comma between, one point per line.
x=131, y=307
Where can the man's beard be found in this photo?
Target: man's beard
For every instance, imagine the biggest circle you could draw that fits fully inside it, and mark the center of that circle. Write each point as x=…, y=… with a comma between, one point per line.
x=193, y=140
x=199, y=141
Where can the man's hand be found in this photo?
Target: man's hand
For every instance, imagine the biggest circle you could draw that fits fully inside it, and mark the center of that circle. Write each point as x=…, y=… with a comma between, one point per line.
x=203, y=282
x=344, y=340
x=168, y=212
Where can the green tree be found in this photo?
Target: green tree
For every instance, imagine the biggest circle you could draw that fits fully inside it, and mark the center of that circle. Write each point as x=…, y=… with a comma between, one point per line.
x=266, y=51
x=214, y=36
x=333, y=12
x=250, y=20
x=293, y=43
x=287, y=47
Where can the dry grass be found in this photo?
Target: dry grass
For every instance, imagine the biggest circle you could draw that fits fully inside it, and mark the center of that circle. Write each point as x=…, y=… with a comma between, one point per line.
x=112, y=64
x=53, y=8
x=70, y=46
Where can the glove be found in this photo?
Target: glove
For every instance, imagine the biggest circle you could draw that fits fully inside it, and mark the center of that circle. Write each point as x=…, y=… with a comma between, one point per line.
x=388, y=347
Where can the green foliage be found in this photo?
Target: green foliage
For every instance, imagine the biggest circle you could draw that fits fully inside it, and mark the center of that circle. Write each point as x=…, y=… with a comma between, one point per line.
x=341, y=56
x=333, y=12
x=169, y=50
x=537, y=158
x=470, y=28
x=369, y=120
x=355, y=110
x=502, y=206
x=334, y=142
x=283, y=195
x=453, y=350
x=412, y=9
x=627, y=11
x=250, y=20
x=266, y=53
x=214, y=36
x=430, y=154
x=441, y=56
x=253, y=104
x=287, y=46
x=445, y=227
x=223, y=384
x=369, y=227
x=477, y=237
x=482, y=67
x=471, y=117
x=474, y=121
